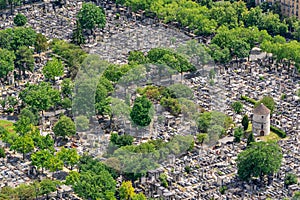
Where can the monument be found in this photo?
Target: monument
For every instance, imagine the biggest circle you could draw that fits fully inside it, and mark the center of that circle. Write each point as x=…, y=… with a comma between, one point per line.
x=261, y=120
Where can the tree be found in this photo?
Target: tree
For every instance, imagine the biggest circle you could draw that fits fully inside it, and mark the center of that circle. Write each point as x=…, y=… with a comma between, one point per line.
x=268, y=102
x=237, y=107
x=53, y=164
x=24, y=59
x=245, y=122
x=72, y=178
x=40, y=96
x=238, y=133
x=64, y=127
x=250, y=139
x=82, y=123
x=261, y=158
x=77, y=35
x=23, y=144
x=29, y=114
x=23, y=125
x=7, y=59
x=40, y=158
x=91, y=16
x=20, y=19
x=40, y=44
x=47, y=186
x=201, y=137
x=126, y=190
x=140, y=112
x=290, y=179
x=69, y=157
x=53, y=68
x=67, y=87
x=25, y=191
x=121, y=140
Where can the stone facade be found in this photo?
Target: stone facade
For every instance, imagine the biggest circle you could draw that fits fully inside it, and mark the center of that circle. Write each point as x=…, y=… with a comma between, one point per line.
x=261, y=121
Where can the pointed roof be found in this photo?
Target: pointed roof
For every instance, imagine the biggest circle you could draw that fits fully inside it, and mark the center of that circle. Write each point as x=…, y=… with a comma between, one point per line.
x=261, y=110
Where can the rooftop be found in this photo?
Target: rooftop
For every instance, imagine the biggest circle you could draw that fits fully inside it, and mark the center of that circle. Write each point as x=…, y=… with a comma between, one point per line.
x=261, y=110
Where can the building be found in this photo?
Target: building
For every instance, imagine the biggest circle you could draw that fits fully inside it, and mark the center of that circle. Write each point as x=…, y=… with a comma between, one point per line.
x=288, y=7
x=261, y=121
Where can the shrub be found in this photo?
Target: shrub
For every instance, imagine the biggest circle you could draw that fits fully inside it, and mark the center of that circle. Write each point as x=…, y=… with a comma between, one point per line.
x=252, y=101
x=278, y=131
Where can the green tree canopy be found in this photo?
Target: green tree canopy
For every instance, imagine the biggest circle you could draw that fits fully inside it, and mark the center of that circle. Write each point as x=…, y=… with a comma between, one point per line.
x=140, y=113
x=7, y=59
x=261, y=158
x=20, y=19
x=91, y=16
x=64, y=127
x=53, y=68
x=41, y=96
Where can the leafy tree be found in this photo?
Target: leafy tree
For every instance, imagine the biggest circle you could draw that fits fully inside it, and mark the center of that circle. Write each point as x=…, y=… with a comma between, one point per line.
x=171, y=105
x=22, y=36
x=66, y=87
x=163, y=180
x=23, y=144
x=268, y=102
x=290, y=179
x=23, y=125
x=40, y=158
x=20, y=20
x=7, y=59
x=29, y=114
x=260, y=159
x=24, y=59
x=40, y=44
x=69, y=157
x=72, y=178
x=53, y=68
x=91, y=16
x=245, y=122
x=121, y=140
x=54, y=163
x=140, y=112
x=209, y=119
x=40, y=97
x=250, y=139
x=77, y=35
x=25, y=191
x=237, y=107
x=44, y=142
x=82, y=123
x=47, y=186
x=137, y=57
x=64, y=127
x=126, y=191
x=238, y=133
x=201, y=137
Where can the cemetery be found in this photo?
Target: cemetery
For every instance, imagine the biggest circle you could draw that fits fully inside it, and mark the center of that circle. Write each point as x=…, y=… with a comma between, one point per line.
x=207, y=170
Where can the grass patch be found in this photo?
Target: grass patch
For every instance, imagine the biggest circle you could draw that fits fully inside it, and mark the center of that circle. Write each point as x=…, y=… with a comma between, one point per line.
x=8, y=125
x=271, y=137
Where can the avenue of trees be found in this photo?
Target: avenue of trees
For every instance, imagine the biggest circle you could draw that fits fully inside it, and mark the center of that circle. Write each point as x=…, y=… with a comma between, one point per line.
x=234, y=28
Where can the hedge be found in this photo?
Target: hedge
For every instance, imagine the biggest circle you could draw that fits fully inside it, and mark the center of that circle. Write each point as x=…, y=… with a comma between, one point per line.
x=278, y=131
x=252, y=101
